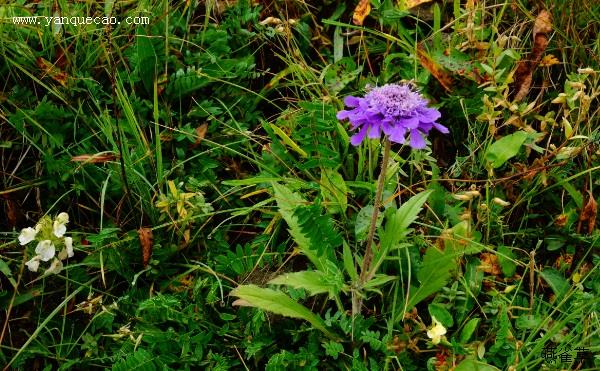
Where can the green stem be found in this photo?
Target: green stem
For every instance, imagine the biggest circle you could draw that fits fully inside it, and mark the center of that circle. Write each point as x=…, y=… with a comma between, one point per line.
x=368, y=257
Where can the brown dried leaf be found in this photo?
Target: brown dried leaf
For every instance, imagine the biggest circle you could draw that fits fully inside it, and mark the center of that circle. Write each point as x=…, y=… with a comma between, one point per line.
x=146, y=240
x=524, y=72
x=96, y=158
x=51, y=70
x=412, y=3
x=489, y=264
x=200, y=134
x=589, y=213
x=362, y=10
x=435, y=69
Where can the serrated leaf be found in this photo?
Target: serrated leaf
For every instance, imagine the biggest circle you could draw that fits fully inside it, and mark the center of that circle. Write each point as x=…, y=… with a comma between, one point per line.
x=396, y=228
x=334, y=191
x=140, y=360
x=278, y=303
x=315, y=282
x=363, y=222
x=288, y=201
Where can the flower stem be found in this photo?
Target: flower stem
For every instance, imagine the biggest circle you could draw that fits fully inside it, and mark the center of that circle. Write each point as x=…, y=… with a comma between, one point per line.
x=368, y=257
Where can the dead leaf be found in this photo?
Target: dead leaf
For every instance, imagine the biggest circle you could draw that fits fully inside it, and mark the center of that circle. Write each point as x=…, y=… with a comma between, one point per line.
x=13, y=212
x=589, y=214
x=51, y=70
x=435, y=69
x=200, y=134
x=146, y=238
x=489, y=264
x=362, y=10
x=524, y=72
x=97, y=158
x=412, y=3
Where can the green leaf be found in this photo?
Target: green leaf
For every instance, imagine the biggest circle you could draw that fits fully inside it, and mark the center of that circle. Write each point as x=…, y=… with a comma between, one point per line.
x=333, y=349
x=278, y=303
x=462, y=239
x=556, y=281
x=469, y=329
x=334, y=191
x=288, y=201
x=433, y=274
x=349, y=262
x=471, y=364
x=315, y=282
x=147, y=60
x=506, y=260
x=363, y=222
x=140, y=360
x=288, y=141
x=4, y=268
x=505, y=148
x=378, y=280
x=396, y=228
x=441, y=314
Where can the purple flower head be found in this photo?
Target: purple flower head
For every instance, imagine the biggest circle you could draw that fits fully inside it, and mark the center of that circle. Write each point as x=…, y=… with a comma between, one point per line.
x=395, y=110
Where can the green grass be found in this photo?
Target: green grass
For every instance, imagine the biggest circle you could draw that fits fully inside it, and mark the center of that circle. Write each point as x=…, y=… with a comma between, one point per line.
x=214, y=127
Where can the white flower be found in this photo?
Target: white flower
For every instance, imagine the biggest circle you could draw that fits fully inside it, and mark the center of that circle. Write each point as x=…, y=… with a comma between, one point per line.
x=46, y=250
x=436, y=332
x=59, y=229
x=68, y=250
x=33, y=264
x=60, y=224
x=27, y=235
x=69, y=246
x=55, y=267
x=62, y=218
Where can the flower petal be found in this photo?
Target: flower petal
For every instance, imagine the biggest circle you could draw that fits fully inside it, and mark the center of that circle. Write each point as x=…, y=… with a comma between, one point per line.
x=375, y=131
x=398, y=135
x=69, y=246
x=342, y=115
x=356, y=139
x=416, y=139
x=33, y=264
x=351, y=101
x=429, y=114
x=409, y=123
x=27, y=235
x=46, y=250
x=55, y=267
x=441, y=128
x=59, y=229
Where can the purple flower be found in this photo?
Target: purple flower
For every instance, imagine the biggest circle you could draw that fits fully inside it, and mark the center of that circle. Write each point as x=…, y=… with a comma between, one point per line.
x=395, y=110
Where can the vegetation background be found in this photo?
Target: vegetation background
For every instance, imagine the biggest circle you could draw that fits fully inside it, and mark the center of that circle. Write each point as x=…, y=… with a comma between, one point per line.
x=200, y=154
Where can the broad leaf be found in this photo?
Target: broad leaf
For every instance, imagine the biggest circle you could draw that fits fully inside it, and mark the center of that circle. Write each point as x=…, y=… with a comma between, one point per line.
x=278, y=303
x=505, y=148
x=433, y=274
x=315, y=282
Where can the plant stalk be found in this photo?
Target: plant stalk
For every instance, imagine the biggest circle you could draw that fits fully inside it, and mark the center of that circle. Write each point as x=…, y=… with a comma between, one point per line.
x=368, y=257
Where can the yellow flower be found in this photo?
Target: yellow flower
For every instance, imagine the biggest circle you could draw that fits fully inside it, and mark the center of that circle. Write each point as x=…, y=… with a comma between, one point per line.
x=436, y=332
